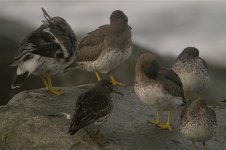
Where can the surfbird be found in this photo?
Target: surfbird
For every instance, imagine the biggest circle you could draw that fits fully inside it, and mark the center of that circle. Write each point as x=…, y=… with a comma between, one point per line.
x=106, y=48
x=193, y=72
x=93, y=107
x=45, y=52
x=157, y=87
x=198, y=122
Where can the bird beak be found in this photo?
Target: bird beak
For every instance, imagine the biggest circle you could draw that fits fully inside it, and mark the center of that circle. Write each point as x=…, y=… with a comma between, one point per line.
x=117, y=92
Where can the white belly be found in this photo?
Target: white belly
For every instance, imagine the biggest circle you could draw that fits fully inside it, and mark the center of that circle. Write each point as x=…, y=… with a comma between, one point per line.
x=107, y=61
x=51, y=65
x=156, y=99
x=196, y=132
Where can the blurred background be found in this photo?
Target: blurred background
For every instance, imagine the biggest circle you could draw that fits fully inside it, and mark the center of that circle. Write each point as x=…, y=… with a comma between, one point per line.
x=164, y=28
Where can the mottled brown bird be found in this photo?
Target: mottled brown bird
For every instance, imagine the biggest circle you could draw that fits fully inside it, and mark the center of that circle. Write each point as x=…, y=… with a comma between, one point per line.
x=106, y=48
x=157, y=87
x=193, y=72
x=198, y=122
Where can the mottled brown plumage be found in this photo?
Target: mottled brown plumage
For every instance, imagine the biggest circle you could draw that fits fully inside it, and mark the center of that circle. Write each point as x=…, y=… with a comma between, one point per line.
x=158, y=87
x=193, y=72
x=107, y=47
x=198, y=122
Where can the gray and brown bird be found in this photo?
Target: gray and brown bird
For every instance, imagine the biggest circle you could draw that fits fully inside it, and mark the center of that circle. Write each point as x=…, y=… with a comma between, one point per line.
x=45, y=52
x=157, y=87
x=93, y=107
x=106, y=48
x=193, y=72
x=198, y=122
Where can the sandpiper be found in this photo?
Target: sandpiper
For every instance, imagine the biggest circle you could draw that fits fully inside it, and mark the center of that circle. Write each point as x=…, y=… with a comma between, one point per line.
x=157, y=87
x=106, y=47
x=93, y=106
x=193, y=72
x=198, y=122
x=45, y=52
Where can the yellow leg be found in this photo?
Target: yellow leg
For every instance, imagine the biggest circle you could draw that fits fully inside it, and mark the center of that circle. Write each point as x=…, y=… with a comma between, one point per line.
x=49, y=87
x=97, y=75
x=115, y=82
x=167, y=125
x=97, y=137
x=204, y=145
x=45, y=82
x=193, y=145
x=157, y=120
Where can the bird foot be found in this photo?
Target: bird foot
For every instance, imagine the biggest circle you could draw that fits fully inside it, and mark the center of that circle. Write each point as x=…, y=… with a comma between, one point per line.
x=55, y=91
x=156, y=123
x=114, y=82
x=165, y=127
x=97, y=137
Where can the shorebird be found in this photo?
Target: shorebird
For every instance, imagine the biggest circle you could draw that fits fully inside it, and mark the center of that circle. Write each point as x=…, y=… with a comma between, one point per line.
x=157, y=87
x=45, y=52
x=106, y=47
x=193, y=72
x=93, y=106
x=198, y=122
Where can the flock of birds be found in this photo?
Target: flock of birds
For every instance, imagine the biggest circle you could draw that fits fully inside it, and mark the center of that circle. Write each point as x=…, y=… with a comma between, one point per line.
x=53, y=48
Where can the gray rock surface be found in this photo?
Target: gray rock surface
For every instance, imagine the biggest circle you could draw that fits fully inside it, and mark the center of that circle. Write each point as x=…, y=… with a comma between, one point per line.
x=30, y=121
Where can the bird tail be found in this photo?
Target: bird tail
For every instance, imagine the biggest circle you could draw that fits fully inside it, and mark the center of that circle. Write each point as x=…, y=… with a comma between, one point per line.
x=19, y=80
x=73, y=129
x=74, y=65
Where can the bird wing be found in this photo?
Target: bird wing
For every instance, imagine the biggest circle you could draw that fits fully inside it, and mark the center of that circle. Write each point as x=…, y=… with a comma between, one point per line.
x=172, y=82
x=89, y=108
x=184, y=113
x=91, y=46
x=40, y=43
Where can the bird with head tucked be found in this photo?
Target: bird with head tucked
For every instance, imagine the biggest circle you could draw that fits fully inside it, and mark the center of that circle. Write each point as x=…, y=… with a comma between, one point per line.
x=157, y=87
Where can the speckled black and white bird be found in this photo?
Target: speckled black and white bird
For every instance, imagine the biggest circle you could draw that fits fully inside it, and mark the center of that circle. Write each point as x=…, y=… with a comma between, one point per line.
x=198, y=122
x=45, y=52
x=106, y=48
x=93, y=106
x=157, y=87
x=193, y=72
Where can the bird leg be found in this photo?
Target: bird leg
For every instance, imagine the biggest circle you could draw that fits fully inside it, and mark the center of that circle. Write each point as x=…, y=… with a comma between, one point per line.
x=46, y=78
x=204, y=145
x=167, y=125
x=157, y=120
x=193, y=145
x=114, y=81
x=97, y=75
x=96, y=136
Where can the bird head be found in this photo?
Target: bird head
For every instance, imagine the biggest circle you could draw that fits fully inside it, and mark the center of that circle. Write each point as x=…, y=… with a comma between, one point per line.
x=199, y=106
x=189, y=52
x=148, y=65
x=118, y=20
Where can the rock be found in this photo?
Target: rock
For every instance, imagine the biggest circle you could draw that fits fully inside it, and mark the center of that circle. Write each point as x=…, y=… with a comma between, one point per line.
x=31, y=120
